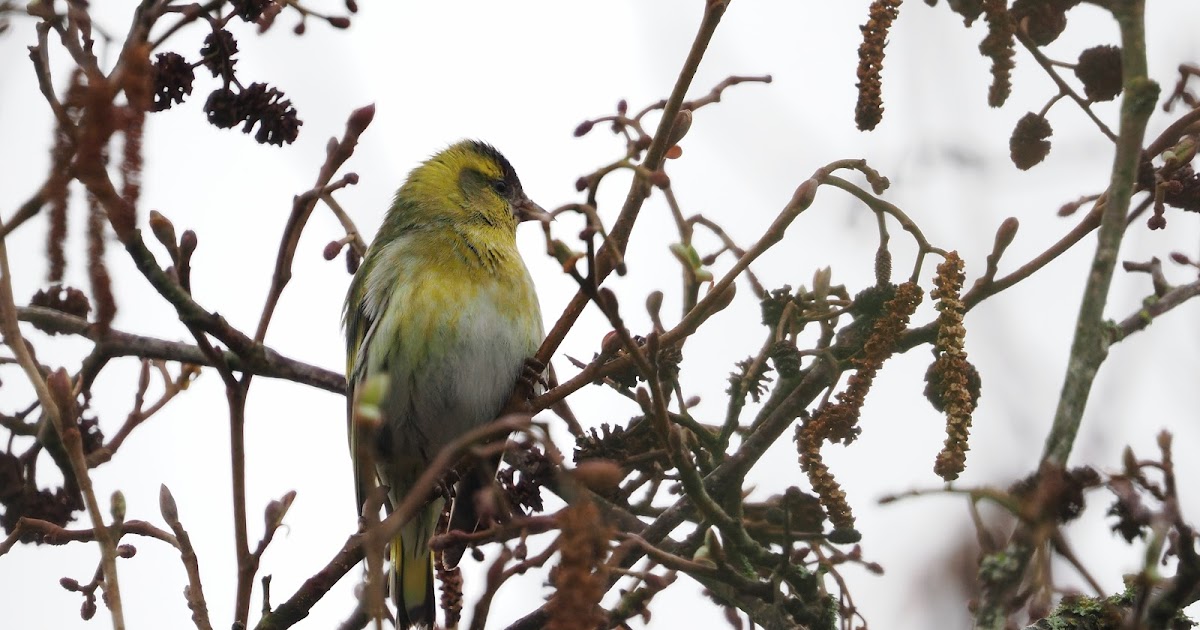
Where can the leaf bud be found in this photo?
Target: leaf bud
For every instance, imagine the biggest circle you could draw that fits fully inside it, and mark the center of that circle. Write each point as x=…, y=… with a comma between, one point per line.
x=187, y=244
x=163, y=229
x=679, y=129
x=167, y=506
x=117, y=507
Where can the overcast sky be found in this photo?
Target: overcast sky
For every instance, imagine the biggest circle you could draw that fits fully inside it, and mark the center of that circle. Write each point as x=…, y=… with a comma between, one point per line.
x=522, y=76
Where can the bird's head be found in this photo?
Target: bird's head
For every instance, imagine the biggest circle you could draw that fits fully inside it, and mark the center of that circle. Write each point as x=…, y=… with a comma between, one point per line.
x=470, y=182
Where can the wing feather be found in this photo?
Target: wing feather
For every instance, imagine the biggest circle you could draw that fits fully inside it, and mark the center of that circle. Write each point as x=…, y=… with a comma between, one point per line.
x=360, y=332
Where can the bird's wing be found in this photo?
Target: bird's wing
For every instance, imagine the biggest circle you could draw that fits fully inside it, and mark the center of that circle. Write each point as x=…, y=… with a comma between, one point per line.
x=360, y=332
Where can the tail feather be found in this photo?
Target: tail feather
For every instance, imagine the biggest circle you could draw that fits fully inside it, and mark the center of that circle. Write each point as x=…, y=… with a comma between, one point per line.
x=411, y=579
x=465, y=517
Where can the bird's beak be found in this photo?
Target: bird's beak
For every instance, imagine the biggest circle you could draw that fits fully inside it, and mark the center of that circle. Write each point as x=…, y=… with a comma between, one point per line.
x=527, y=210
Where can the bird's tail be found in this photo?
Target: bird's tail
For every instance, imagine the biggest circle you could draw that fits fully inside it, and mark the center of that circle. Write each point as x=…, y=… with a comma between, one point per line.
x=411, y=579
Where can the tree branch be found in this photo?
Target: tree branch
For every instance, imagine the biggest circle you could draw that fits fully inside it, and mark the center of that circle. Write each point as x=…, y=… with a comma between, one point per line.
x=116, y=343
x=640, y=189
x=302, y=207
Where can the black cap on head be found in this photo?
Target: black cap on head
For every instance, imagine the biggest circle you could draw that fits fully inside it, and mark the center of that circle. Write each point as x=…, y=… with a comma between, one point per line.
x=510, y=173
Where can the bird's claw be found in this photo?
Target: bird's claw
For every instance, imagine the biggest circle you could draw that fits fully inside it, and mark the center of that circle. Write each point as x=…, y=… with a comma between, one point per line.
x=532, y=375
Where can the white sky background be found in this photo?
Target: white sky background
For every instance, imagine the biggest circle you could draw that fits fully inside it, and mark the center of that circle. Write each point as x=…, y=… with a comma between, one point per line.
x=522, y=76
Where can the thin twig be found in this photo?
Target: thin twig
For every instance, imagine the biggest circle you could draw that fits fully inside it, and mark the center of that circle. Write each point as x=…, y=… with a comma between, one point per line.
x=720, y=233
x=51, y=534
x=71, y=440
x=235, y=395
x=299, y=604
x=1152, y=309
x=26, y=211
x=716, y=298
x=356, y=239
x=640, y=188
x=40, y=57
x=191, y=564
x=139, y=415
x=986, y=288
x=337, y=152
x=1063, y=87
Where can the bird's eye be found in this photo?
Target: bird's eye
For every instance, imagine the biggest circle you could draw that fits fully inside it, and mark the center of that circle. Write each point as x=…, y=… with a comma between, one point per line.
x=500, y=186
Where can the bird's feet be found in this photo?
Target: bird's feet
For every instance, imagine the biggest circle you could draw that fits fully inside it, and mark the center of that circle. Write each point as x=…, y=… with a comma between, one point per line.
x=533, y=374
x=526, y=387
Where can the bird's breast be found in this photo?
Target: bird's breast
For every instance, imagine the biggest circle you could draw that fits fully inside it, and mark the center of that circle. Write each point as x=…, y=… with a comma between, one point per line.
x=453, y=344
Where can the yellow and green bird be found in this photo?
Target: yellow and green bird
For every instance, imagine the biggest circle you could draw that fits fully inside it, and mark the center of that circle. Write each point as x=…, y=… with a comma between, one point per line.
x=444, y=310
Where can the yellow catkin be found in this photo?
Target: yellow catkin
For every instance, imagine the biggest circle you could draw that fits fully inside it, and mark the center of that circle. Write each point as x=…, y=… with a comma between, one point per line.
x=951, y=368
x=579, y=579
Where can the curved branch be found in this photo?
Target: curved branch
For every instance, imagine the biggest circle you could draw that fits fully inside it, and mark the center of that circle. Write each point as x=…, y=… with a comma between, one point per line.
x=302, y=207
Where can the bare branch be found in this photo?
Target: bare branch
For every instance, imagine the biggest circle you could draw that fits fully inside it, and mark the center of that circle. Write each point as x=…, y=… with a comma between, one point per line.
x=337, y=153
x=115, y=343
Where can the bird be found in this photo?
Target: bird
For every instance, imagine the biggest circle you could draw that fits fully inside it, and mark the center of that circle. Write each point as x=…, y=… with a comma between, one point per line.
x=443, y=313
